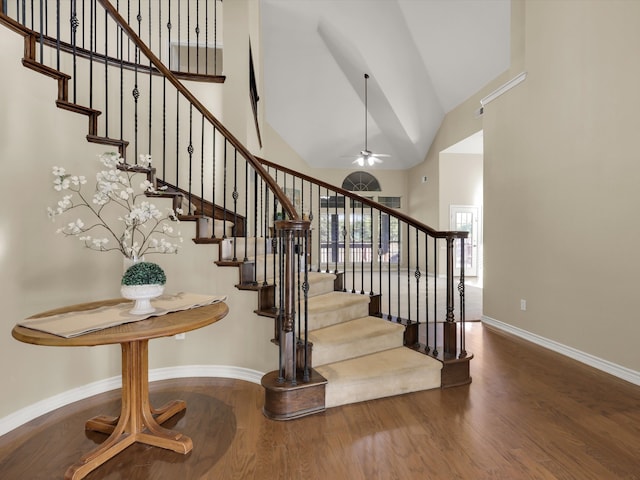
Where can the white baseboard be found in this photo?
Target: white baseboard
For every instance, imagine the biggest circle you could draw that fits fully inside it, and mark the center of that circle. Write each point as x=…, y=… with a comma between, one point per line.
x=611, y=368
x=47, y=405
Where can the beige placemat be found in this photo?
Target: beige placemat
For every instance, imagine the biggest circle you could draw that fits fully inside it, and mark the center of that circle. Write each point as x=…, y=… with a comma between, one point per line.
x=73, y=324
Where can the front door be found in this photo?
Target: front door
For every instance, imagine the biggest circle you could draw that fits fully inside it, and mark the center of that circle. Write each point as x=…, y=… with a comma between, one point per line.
x=466, y=218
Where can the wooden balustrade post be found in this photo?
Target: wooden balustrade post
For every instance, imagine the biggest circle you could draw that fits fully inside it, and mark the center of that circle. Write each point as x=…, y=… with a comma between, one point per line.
x=449, y=333
x=288, y=344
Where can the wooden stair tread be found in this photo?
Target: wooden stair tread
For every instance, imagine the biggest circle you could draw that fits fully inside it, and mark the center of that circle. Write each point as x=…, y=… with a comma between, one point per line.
x=45, y=70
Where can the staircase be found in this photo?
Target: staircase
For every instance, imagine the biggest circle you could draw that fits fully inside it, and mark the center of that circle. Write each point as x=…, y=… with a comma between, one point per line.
x=361, y=356
x=335, y=346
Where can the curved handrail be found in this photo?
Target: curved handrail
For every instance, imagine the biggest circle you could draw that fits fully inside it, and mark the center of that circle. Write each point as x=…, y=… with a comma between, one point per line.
x=370, y=203
x=168, y=74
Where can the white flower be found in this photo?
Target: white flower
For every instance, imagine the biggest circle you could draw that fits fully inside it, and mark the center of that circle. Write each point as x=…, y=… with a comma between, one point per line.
x=75, y=227
x=146, y=186
x=140, y=225
x=144, y=160
x=61, y=183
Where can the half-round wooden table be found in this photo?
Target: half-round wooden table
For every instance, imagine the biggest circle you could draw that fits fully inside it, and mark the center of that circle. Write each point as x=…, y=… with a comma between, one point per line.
x=138, y=420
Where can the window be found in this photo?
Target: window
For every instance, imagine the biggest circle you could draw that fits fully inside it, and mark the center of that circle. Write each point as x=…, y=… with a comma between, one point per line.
x=361, y=182
x=391, y=202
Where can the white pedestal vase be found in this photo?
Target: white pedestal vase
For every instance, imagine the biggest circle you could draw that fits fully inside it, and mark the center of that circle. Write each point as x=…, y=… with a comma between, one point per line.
x=142, y=295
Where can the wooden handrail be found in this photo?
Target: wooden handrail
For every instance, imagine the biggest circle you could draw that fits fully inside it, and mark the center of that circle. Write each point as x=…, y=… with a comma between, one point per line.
x=370, y=203
x=168, y=74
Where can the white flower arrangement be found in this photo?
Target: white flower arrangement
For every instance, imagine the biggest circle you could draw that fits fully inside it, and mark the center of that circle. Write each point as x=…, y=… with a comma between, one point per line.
x=143, y=228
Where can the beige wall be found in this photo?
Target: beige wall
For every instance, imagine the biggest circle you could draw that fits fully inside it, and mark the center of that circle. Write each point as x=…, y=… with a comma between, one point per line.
x=560, y=177
x=561, y=181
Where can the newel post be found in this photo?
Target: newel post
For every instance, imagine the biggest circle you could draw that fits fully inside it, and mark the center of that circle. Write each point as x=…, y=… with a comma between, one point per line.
x=450, y=340
x=288, y=232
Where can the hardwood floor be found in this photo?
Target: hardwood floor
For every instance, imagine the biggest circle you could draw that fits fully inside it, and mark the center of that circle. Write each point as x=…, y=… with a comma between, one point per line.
x=529, y=414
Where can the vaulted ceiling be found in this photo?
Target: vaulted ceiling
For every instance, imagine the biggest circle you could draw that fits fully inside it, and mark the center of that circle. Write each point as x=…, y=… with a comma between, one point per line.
x=424, y=58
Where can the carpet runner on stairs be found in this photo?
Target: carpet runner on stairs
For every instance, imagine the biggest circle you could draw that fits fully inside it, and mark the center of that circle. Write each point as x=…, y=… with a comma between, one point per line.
x=361, y=356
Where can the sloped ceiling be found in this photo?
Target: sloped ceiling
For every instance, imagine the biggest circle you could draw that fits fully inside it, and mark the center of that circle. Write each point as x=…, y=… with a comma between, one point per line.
x=424, y=58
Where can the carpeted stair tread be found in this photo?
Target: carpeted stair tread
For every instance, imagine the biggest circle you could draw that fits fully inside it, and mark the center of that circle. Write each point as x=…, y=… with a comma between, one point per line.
x=354, y=338
x=319, y=282
x=336, y=307
x=382, y=374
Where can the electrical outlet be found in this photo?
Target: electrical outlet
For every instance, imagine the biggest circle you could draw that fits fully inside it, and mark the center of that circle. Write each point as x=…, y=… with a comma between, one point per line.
x=523, y=304
x=180, y=336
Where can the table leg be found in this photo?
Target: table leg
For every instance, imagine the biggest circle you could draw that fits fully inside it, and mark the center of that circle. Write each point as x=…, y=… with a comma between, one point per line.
x=136, y=422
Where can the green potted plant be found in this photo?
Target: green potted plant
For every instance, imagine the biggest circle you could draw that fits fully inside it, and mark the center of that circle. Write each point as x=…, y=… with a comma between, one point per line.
x=141, y=282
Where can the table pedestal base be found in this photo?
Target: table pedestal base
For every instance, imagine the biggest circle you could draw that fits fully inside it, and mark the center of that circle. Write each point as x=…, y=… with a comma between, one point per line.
x=138, y=420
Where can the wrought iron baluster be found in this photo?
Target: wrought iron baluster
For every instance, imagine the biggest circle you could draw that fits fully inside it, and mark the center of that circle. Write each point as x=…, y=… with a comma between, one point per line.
x=198, y=36
x=202, y=174
x=41, y=31
x=256, y=212
x=408, y=273
x=337, y=252
x=311, y=220
x=362, y=244
x=74, y=23
x=149, y=133
x=57, y=34
x=83, y=23
x=188, y=36
x=435, y=296
x=213, y=183
x=380, y=256
x=91, y=5
x=215, y=37
x=319, y=233
x=276, y=247
x=426, y=297
x=224, y=192
x=265, y=220
x=246, y=210
x=305, y=289
x=235, y=204
x=461, y=291
x=388, y=219
x=329, y=239
x=206, y=35
x=352, y=247
x=371, y=255
x=398, y=276
x=190, y=153
x=417, y=276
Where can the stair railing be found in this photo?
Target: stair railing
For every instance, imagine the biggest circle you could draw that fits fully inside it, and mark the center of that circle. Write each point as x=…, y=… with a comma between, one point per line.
x=389, y=256
x=138, y=105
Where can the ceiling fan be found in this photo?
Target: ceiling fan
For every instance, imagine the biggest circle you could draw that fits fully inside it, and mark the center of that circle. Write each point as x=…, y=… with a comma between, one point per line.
x=366, y=156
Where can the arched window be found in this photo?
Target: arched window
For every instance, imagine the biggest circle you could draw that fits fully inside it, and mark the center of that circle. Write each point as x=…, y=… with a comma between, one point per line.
x=361, y=182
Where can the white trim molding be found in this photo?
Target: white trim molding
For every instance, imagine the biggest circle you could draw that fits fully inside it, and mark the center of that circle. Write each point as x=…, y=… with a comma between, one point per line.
x=26, y=414
x=501, y=90
x=606, y=366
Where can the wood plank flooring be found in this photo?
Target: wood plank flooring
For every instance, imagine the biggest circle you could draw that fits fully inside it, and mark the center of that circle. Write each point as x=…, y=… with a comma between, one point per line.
x=529, y=414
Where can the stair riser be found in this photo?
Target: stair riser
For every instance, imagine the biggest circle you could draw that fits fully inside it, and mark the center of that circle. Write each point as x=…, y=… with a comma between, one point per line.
x=243, y=249
x=410, y=380
x=205, y=230
x=323, y=354
x=324, y=319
